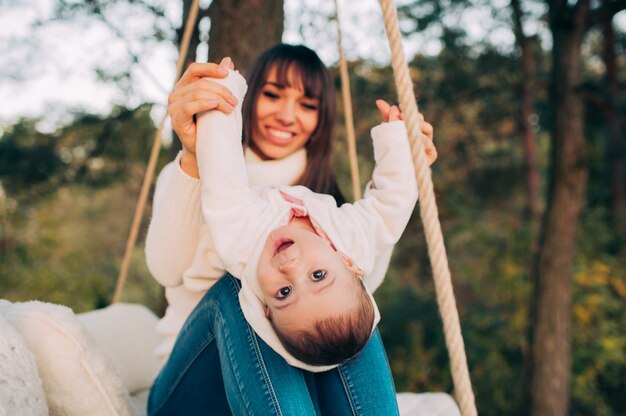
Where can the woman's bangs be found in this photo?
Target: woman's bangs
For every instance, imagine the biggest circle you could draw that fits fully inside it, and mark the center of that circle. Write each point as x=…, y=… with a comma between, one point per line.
x=296, y=74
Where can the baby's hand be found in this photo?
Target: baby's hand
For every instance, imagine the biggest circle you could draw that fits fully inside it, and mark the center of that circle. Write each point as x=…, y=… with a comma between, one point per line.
x=388, y=112
x=392, y=113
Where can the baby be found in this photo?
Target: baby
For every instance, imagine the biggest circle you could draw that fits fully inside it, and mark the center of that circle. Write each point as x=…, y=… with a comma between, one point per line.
x=300, y=258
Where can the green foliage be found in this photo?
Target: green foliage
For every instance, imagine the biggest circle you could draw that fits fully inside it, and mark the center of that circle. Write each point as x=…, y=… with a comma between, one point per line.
x=599, y=345
x=472, y=98
x=27, y=157
x=65, y=210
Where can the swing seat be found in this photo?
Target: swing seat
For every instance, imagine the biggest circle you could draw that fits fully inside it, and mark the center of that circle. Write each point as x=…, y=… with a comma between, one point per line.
x=100, y=363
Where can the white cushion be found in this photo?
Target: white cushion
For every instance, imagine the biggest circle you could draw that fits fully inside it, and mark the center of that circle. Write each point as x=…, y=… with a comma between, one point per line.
x=126, y=335
x=21, y=392
x=76, y=377
x=427, y=404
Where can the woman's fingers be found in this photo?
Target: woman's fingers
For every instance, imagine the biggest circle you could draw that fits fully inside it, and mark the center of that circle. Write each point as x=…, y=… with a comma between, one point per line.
x=198, y=70
x=429, y=147
x=427, y=130
x=182, y=117
x=194, y=107
x=431, y=151
x=203, y=95
x=227, y=63
x=205, y=99
x=200, y=89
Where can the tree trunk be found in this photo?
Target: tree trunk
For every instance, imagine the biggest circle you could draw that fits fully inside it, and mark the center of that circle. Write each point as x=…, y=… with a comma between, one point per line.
x=529, y=140
x=242, y=29
x=615, y=144
x=551, y=344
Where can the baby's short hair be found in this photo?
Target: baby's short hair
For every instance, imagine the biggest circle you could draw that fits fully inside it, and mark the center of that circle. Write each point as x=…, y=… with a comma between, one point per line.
x=336, y=339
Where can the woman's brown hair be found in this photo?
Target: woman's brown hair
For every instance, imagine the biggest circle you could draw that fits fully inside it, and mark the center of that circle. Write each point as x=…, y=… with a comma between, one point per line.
x=317, y=83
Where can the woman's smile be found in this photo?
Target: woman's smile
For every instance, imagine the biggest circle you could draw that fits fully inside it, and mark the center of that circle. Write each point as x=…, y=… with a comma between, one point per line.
x=278, y=136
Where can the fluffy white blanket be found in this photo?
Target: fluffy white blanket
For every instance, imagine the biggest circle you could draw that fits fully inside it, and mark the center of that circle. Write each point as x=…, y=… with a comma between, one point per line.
x=21, y=392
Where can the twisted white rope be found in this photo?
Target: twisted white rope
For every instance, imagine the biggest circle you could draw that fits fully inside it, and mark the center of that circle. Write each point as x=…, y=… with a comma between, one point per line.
x=430, y=217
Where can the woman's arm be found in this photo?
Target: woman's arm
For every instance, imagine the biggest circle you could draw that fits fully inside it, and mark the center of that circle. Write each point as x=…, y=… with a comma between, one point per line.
x=373, y=224
x=175, y=226
x=381, y=261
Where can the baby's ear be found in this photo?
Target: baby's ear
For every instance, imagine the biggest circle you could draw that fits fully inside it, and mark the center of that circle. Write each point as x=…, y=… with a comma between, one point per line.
x=267, y=311
x=350, y=264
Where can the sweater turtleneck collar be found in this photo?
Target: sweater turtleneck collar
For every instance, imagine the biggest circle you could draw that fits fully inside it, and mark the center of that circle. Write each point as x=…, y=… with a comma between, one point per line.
x=286, y=171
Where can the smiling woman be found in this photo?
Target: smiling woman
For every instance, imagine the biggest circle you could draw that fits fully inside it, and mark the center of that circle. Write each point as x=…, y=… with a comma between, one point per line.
x=285, y=118
x=291, y=106
x=290, y=99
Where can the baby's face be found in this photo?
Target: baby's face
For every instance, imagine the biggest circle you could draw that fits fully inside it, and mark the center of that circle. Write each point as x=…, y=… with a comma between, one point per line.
x=303, y=279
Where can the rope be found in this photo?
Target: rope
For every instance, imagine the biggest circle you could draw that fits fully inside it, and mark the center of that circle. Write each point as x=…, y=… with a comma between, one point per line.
x=430, y=218
x=347, y=111
x=154, y=154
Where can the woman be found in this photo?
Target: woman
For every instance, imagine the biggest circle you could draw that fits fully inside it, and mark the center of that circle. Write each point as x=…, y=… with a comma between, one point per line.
x=218, y=365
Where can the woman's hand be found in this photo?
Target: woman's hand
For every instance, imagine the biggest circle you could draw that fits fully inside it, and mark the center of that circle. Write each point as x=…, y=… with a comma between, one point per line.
x=192, y=94
x=392, y=113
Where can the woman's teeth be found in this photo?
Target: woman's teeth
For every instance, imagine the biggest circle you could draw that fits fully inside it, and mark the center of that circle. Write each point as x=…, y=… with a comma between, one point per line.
x=279, y=134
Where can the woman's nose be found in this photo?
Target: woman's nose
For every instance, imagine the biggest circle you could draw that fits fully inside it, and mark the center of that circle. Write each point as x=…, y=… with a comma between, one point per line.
x=287, y=113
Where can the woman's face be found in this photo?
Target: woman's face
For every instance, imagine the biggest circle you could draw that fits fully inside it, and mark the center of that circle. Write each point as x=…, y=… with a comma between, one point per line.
x=285, y=118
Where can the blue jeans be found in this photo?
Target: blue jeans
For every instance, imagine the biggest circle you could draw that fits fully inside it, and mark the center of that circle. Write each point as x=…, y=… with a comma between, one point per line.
x=220, y=367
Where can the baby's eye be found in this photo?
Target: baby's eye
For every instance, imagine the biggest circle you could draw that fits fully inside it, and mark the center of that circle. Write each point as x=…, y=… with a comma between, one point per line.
x=318, y=275
x=283, y=292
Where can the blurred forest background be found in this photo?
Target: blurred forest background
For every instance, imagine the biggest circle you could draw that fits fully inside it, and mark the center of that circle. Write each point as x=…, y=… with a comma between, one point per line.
x=529, y=123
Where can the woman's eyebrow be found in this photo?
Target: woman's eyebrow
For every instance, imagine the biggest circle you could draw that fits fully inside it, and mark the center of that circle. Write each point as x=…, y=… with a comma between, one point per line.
x=283, y=86
x=275, y=84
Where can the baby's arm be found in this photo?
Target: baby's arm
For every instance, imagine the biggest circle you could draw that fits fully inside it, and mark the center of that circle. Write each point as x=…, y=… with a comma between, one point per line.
x=378, y=220
x=219, y=151
x=229, y=206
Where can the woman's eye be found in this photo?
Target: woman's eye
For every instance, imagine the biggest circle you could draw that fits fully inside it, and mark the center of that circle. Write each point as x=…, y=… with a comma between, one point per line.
x=309, y=106
x=271, y=95
x=318, y=275
x=283, y=292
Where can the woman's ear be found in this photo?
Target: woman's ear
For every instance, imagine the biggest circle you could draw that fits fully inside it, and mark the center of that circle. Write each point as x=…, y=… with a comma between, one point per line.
x=349, y=263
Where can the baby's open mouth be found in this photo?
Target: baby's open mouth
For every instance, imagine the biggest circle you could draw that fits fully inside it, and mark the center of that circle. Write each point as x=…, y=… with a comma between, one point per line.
x=282, y=244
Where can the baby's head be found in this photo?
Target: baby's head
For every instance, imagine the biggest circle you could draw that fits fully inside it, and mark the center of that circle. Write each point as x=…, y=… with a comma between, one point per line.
x=314, y=296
